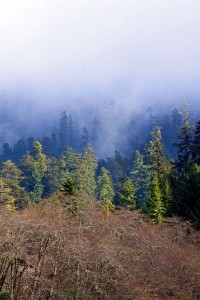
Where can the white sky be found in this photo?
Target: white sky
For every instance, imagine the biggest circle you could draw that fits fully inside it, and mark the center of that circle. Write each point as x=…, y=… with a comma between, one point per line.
x=145, y=46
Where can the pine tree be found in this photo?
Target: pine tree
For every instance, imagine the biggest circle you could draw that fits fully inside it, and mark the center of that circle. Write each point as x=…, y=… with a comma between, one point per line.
x=156, y=207
x=69, y=186
x=52, y=178
x=31, y=180
x=19, y=150
x=85, y=173
x=70, y=160
x=127, y=194
x=156, y=152
x=186, y=192
x=40, y=158
x=140, y=175
x=105, y=190
x=47, y=146
x=184, y=142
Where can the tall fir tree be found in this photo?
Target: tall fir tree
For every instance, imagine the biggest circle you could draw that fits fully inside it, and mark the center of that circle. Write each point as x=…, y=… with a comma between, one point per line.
x=105, y=191
x=86, y=172
x=141, y=175
x=156, y=152
x=127, y=194
x=156, y=207
x=184, y=141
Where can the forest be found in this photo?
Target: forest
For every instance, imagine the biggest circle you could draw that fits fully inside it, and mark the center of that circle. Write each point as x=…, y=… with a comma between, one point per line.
x=78, y=226
x=157, y=174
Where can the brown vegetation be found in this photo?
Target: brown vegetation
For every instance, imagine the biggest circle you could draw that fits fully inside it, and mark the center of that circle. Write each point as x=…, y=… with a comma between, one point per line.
x=52, y=252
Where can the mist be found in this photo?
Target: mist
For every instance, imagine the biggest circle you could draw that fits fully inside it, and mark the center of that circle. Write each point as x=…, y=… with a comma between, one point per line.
x=107, y=58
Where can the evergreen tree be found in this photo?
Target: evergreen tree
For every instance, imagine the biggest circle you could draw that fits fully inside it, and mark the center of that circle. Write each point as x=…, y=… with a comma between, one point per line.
x=105, y=191
x=64, y=131
x=70, y=160
x=156, y=154
x=52, y=178
x=85, y=173
x=127, y=194
x=156, y=207
x=31, y=180
x=39, y=157
x=19, y=150
x=184, y=142
x=140, y=175
x=69, y=187
x=47, y=146
x=186, y=192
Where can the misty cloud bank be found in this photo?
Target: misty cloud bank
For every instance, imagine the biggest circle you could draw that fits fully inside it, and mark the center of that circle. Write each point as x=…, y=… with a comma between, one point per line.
x=105, y=59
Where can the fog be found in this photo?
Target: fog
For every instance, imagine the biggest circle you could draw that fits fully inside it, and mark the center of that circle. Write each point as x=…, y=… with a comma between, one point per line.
x=82, y=56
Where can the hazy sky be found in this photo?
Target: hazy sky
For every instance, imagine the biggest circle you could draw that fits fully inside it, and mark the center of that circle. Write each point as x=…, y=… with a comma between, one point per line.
x=128, y=50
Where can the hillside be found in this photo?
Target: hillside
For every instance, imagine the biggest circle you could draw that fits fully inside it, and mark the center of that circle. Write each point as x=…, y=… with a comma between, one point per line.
x=48, y=251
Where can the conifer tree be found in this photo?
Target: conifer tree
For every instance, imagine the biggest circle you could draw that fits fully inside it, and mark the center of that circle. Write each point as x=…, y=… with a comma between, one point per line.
x=156, y=152
x=186, y=192
x=127, y=194
x=85, y=173
x=31, y=180
x=140, y=175
x=19, y=150
x=184, y=141
x=156, y=207
x=105, y=191
x=52, y=178
x=47, y=145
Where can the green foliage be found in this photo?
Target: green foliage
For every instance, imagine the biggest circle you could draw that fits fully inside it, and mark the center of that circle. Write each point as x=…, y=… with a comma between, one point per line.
x=140, y=175
x=33, y=169
x=156, y=207
x=184, y=143
x=186, y=192
x=85, y=173
x=12, y=193
x=127, y=194
x=69, y=187
x=156, y=154
x=70, y=160
x=167, y=196
x=52, y=178
x=105, y=190
x=4, y=295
